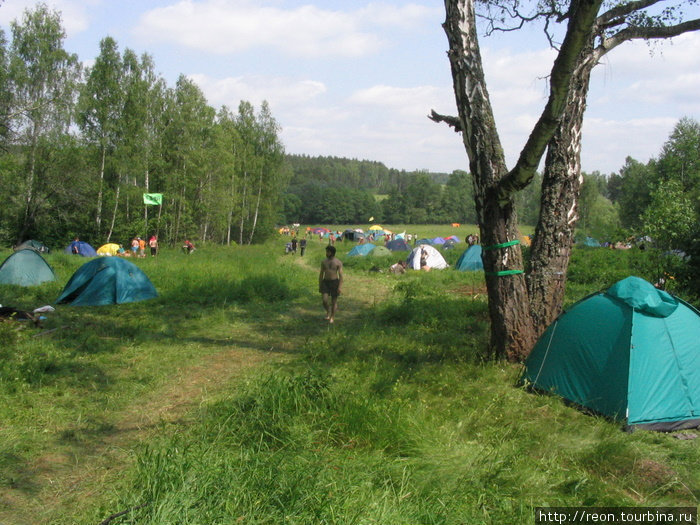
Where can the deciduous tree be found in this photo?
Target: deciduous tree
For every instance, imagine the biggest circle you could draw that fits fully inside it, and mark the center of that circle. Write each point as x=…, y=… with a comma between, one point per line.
x=520, y=308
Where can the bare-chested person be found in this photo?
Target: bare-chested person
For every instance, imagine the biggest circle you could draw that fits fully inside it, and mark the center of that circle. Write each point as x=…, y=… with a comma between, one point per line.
x=330, y=282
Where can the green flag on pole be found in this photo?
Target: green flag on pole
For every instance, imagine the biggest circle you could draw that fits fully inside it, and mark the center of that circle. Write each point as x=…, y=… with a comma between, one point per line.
x=153, y=198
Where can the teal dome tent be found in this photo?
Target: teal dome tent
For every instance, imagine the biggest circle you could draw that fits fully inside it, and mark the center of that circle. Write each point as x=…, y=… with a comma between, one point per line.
x=361, y=250
x=26, y=268
x=631, y=353
x=470, y=260
x=107, y=280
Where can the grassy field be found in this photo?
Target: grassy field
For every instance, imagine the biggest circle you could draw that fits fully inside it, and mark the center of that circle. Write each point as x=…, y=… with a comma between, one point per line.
x=230, y=400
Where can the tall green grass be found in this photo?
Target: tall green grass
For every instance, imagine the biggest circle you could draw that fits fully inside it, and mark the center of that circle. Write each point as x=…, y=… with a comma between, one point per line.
x=398, y=419
x=390, y=416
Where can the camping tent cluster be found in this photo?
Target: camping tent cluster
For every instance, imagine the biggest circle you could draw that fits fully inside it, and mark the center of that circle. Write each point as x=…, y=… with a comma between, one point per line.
x=101, y=281
x=469, y=260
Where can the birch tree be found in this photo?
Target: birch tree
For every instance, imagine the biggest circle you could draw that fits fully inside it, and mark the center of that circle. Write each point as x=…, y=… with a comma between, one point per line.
x=520, y=308
x=42, y=79
x=100, y=105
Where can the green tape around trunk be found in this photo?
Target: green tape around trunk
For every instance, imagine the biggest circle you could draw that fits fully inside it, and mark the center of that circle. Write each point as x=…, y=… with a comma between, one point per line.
x=504, y=272
x=502, y=245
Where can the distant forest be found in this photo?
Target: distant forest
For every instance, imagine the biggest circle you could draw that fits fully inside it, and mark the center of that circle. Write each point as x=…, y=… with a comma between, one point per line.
x=337, y=190
x=659, y=198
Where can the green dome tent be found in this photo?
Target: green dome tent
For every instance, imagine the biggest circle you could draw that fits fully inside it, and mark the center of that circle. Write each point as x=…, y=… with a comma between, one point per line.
x=26, y=268
x=33, y=245
x=470, y=260
x=380, y=251
x=107, y=280
x=631, y=352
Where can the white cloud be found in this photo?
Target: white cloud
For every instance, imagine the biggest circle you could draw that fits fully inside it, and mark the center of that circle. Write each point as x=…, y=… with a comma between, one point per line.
x=409, y=16
x=607, y=142
x=228, y=27
x=279, y=92
x=74, y=14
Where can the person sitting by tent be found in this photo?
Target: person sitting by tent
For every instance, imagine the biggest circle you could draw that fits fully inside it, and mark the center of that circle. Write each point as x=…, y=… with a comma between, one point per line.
x=75, y=250
x=398, y=268
x=188, y=247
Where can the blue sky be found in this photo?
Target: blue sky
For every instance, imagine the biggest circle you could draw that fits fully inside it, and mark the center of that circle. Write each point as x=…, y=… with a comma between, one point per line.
x=356, y=79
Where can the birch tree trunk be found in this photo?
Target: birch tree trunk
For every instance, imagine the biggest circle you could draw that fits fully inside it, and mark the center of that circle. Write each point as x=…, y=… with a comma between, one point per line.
x=257, y=208
x=512, y=328
x=561, y=184
x=114, y=210
x=98, y=214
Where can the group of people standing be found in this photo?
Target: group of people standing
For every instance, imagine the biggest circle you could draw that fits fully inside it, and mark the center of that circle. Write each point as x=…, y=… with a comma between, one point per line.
x=138, y=246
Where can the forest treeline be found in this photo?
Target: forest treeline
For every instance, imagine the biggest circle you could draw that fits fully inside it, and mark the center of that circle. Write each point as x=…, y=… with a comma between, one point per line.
x=659, y=198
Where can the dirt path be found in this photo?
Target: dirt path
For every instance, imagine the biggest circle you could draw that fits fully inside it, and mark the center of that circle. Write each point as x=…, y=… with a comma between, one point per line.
x=65, y=482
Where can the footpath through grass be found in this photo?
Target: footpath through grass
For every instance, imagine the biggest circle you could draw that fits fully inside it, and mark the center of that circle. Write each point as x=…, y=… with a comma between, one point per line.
x=229, y=400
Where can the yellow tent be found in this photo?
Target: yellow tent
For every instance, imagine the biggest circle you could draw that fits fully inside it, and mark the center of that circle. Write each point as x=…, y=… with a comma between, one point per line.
x=376, y=227
x=108, y=249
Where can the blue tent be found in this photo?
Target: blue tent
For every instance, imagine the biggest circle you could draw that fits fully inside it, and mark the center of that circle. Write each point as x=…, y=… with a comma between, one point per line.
x=80, y=248
x=361, y=249
x=398, y=245
x=438, y=240
x=630, y=352
x=470, y=260
x=107, y=280
x=424, y=241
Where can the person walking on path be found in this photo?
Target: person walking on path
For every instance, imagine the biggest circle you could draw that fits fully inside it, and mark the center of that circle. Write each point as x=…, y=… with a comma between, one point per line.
x=302, y=246
x=330, y=282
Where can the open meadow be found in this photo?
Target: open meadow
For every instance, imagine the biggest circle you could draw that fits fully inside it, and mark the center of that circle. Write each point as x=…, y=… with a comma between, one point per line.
x=229, y=399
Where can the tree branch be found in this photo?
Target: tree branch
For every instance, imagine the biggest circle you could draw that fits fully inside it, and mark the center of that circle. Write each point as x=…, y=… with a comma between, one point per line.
x=453, y=122
x=623, y=10
x=578, y=33
x=646, y=33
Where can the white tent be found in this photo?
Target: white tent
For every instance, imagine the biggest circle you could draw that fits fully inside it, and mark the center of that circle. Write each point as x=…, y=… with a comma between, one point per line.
x=434, y=259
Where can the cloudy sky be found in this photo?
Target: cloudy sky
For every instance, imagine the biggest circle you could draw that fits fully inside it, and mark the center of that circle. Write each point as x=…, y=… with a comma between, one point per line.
x=357, y=79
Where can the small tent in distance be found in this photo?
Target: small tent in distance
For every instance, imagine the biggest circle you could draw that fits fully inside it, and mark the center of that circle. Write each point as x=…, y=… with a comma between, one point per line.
x=380, y=251
x=470, y=260
x=33, y=245
x=108, y=250
x=107, y=280
x=434, y=258
x=398, y=245
x=631, y=352
x=361, y=250
x=26, y=268
x=80, y=248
